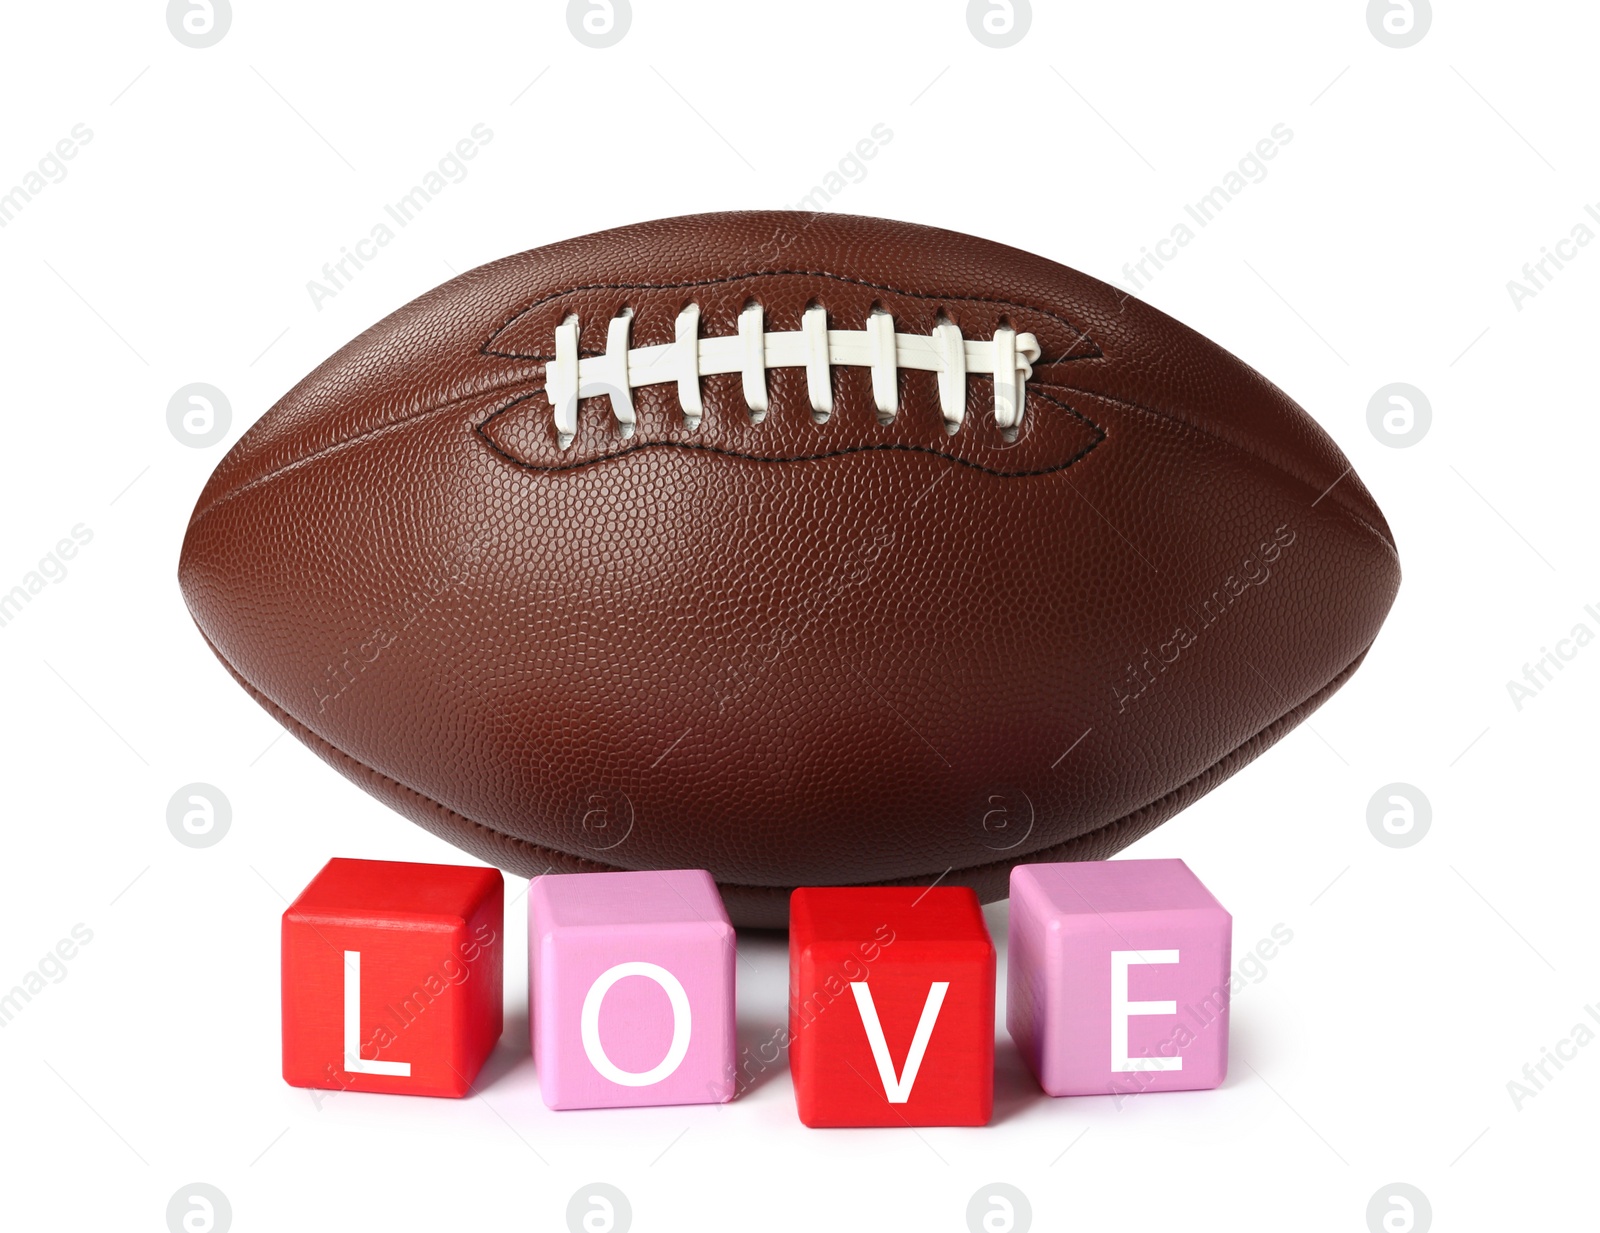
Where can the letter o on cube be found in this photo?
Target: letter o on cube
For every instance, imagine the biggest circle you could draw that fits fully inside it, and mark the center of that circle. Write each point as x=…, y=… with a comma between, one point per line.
x=681, y=1023
x=631, y=979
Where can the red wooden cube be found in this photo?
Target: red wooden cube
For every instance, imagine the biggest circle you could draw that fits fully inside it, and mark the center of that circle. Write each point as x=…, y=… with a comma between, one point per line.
x=392, y=977
x=891, y=1006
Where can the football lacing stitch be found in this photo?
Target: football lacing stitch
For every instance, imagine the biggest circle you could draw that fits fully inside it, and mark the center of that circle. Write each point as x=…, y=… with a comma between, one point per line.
x=1008, y=357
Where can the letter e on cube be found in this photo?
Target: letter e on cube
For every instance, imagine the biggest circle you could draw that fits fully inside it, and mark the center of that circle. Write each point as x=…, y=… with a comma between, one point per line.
x=1118, y=977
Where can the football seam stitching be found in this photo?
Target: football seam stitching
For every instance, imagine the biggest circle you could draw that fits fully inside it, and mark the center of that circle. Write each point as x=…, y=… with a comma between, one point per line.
x=1100, y=436
x=199, y=514
x=308, y=736
x=486, y=349
x=344, y=442
x=1338, y=501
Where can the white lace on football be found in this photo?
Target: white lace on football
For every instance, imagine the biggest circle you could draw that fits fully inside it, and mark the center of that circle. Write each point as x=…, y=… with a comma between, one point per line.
x=1008, y=357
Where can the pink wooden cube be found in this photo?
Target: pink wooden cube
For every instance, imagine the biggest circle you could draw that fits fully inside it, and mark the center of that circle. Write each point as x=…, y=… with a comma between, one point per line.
x=631, y=980
x=1118, y=977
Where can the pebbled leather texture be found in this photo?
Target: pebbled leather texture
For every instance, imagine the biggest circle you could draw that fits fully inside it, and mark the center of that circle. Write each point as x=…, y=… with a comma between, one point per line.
x=792, y=653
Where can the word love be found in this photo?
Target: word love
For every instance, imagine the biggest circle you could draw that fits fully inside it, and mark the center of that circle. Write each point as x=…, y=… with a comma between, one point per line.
x=1118, y=983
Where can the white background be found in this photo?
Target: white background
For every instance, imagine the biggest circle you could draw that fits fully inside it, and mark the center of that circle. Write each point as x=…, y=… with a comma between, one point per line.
x=177, y=248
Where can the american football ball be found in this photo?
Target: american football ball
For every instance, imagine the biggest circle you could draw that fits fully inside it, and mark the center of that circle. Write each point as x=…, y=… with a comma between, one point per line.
x=801, y=548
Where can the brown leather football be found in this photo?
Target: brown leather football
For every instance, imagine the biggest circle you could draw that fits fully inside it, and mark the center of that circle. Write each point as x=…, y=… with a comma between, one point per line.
x=804, y=549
